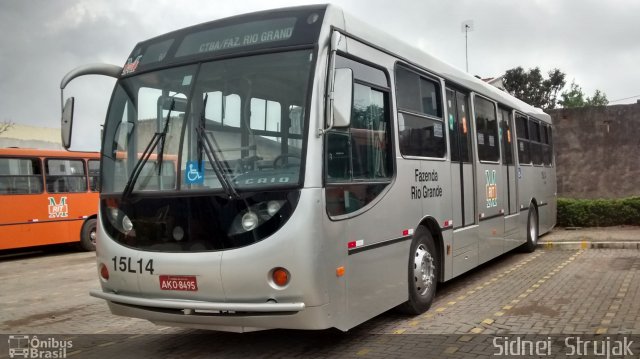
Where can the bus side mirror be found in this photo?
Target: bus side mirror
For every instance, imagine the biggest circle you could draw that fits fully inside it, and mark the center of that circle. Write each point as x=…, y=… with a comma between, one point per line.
x=67, y=122
x=342, y=97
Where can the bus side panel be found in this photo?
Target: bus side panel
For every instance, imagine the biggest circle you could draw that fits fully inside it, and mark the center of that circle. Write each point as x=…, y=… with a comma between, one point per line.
x=490, y=208
x=538, y=183
x=377, y=276
x=41, y=219
x=437, y=202
x=466, y=257
x=517, y=236
x=548, y=191
x=526, y=193
x=38, y=234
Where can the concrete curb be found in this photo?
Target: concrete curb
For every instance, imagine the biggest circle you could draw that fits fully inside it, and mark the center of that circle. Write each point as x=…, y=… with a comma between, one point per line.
x=572, y=245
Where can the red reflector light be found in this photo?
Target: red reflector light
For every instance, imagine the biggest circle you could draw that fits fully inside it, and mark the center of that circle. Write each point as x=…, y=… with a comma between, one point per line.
x=104, y=271
x=280, y=277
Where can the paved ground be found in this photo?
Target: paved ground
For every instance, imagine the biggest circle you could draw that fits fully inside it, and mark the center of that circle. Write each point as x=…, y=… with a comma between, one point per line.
x=549, y=295
x=600, y=234
x=620, y=237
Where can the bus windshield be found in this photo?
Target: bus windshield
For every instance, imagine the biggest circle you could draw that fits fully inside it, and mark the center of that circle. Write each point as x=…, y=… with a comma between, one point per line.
x=239, y=118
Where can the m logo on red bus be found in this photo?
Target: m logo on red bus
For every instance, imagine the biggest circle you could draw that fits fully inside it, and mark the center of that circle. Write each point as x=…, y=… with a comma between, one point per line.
x=58, y=210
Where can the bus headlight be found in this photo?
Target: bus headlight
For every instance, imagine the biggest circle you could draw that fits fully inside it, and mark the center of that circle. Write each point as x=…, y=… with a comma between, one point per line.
x=126, y=224
x=249, y=221
x=254, y=216
x=273, y=207
x=119, y=220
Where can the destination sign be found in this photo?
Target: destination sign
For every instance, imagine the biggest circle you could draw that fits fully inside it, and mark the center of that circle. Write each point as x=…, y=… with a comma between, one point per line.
x=236, y=36
x=206, y=41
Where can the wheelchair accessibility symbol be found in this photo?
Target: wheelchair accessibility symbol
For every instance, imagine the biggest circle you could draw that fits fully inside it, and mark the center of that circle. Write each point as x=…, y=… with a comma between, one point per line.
x=192, y=175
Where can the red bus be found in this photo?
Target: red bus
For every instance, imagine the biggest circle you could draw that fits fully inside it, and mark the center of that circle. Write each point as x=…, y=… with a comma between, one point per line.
x=48, y=197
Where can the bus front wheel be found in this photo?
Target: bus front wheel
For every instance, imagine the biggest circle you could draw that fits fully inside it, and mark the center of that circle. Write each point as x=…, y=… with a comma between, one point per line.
x=88, y=235
x=532, y=230
x=423, y=273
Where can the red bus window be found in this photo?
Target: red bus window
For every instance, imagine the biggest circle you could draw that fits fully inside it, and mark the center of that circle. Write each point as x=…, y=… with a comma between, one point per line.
x=20, y=176
x=65, y=176
x=94, y=175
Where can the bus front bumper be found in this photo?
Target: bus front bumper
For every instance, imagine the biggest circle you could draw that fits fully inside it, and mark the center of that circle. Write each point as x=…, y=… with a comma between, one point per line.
x=187, y=305
x=229, y=317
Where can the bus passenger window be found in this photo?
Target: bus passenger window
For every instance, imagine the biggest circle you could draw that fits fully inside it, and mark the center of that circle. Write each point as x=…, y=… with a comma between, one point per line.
x=522, y=130
x=534, y=137
x=487, y=130
x=265, y=115
x=64, y=176
x=506, y=136
x=296, y=114
x=94, y=175
x=266, y=121
x=420, y=124
x=20, y=176
x=548, y=160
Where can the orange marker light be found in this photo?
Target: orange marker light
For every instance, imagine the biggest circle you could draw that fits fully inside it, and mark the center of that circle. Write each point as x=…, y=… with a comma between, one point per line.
x=280, y=277
x=339, y=271
x=104, y=271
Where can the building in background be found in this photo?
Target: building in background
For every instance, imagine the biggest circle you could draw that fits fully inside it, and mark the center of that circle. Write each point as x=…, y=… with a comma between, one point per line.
x=25, y=136
x=596, y=151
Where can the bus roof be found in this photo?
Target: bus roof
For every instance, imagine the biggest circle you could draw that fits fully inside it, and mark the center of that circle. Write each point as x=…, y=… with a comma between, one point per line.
x=332, y=16
x=420, y=59
x=34, y=152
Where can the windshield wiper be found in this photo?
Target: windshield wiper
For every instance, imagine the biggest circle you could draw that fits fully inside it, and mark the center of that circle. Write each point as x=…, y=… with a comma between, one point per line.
x=210, y=150
x=158, y=137
x=163, y=136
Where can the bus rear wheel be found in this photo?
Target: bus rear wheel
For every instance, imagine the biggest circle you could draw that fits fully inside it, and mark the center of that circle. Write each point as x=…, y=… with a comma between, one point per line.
x=423, y=273
x=88, y=235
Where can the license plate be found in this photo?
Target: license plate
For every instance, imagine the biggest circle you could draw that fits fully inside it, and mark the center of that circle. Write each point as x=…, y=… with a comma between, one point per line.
x=179, y=282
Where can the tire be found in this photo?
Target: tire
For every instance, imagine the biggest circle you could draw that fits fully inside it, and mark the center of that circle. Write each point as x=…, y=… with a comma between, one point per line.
x=532, y=230
x=88, y=235
x=423, y=273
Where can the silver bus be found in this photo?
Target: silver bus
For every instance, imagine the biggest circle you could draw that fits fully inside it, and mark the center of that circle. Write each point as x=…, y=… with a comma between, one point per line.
x=297, y=168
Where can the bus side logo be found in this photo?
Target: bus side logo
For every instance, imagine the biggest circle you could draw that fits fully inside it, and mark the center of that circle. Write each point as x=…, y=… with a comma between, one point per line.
x=58, y=210
x=131, y=65
x=491, y=188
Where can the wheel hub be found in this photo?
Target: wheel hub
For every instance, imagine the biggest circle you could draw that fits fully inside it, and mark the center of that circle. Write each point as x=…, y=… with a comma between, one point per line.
x=533, y=228
x=423, y=270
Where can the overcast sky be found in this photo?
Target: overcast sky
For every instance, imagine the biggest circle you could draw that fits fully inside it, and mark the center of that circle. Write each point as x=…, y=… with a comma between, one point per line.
x=595, y=42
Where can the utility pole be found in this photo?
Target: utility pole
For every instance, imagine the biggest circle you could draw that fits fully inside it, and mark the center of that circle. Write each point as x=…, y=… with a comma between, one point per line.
x=467, y=26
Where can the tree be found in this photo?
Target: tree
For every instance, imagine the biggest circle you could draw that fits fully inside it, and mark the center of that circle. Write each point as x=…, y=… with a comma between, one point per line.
x=5, y=126
x=598, y=99
x=532, y=88
x=572, y=98
x=575, y=97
